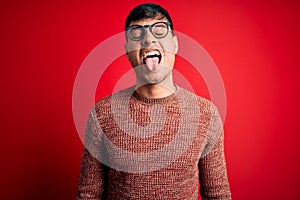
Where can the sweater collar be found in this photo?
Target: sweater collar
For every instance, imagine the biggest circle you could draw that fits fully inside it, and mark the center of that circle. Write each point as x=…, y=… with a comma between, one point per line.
x=164, y=100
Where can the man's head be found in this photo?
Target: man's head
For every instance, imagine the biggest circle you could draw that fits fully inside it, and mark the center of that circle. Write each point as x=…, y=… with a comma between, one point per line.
x=151, y=45
x=148, y=11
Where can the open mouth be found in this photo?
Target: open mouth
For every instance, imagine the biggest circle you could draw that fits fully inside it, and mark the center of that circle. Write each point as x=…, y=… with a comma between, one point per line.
x=152, y=56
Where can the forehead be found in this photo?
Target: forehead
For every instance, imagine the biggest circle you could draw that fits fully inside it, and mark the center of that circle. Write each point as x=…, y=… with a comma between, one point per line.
x=148, y=21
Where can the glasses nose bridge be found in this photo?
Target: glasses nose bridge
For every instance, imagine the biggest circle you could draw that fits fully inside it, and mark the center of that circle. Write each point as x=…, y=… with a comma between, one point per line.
x=148, y=33
x=148, y=26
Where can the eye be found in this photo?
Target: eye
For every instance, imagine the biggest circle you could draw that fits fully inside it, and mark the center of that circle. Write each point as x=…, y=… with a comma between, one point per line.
x=135, y=32
x=160, y=29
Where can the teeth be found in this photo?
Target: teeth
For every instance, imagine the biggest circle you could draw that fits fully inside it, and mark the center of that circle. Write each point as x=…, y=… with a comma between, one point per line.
x=150, y=53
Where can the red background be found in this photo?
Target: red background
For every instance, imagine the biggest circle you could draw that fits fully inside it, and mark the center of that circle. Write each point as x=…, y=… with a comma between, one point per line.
x=254, y=44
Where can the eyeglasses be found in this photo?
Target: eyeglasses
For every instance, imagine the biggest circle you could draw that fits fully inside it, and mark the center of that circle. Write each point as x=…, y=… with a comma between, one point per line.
x=138, y=32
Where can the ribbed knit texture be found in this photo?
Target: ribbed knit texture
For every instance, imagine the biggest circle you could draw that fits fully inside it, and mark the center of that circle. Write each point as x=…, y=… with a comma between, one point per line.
x=201, y=160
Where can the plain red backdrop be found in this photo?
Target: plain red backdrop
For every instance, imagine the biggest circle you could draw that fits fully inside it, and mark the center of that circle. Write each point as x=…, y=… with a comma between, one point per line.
x=254, y=44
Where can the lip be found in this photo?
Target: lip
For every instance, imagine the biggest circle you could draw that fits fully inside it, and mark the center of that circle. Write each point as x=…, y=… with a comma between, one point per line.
x=145, y=51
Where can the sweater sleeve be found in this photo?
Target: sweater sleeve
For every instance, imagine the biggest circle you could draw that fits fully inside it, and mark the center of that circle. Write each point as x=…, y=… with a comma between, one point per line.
x=91, y=178
x=212, y=166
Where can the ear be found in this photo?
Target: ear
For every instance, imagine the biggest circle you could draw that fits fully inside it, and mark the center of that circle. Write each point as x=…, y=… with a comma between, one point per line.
x=176, y=44
x=125, y=46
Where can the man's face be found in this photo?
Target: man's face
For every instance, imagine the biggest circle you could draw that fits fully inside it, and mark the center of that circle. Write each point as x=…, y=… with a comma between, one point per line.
x=152, y=58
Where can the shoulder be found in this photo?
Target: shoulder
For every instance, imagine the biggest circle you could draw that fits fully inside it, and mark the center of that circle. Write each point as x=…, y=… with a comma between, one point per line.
x=106, y=102
x=204, y=105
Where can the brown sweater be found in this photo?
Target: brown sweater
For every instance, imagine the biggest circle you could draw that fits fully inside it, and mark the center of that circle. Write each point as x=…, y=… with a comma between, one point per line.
x=153, y=149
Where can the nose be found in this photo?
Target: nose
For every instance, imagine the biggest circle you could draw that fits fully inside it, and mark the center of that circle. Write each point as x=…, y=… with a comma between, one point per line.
x=148, y=38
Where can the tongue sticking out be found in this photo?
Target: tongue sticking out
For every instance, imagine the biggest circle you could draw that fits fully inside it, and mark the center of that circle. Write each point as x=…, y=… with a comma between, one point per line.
x=152, y=63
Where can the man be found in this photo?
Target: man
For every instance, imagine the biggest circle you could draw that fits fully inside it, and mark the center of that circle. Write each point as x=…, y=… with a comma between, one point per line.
x=154, y=140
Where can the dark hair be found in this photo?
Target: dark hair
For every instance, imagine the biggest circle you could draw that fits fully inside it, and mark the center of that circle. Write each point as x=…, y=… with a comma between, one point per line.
x=148, y=11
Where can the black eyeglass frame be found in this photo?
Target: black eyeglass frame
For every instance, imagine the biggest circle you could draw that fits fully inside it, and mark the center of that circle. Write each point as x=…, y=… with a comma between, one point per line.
x=168, y=24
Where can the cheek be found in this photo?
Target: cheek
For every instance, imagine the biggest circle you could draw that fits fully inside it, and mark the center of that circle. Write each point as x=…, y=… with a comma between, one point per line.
x=131, y=47
x=169, y=47
x=133, y=57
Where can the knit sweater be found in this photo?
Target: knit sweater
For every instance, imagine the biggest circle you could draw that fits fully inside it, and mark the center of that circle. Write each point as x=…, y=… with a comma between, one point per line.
x=140, y=148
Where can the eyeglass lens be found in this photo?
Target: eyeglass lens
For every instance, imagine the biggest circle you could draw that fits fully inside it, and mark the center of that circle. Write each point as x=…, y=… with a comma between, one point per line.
x=159, y=30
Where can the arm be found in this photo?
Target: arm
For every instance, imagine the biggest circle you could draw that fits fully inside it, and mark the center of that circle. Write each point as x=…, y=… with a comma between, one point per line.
x=91, y=179
x=213, y=175
x=212, y=166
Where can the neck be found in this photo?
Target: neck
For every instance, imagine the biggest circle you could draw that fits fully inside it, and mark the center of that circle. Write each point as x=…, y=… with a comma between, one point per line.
x=154, y=91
